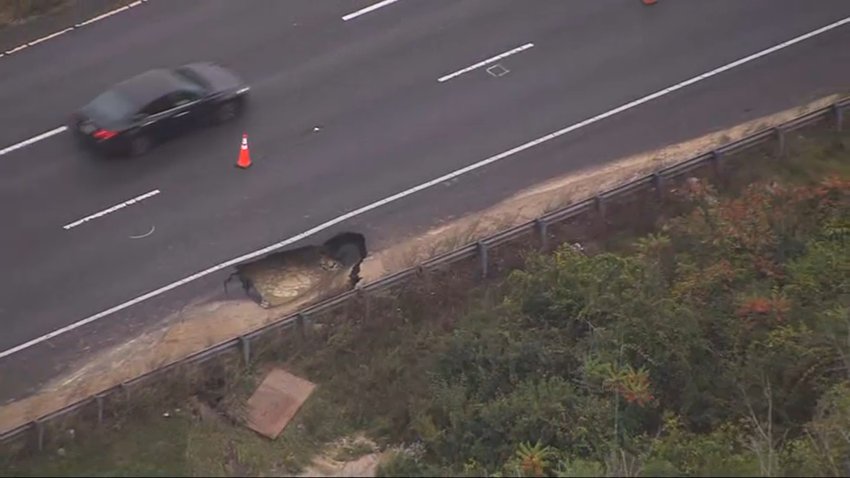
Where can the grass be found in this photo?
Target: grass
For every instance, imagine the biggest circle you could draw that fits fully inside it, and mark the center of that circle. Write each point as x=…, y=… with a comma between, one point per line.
x=353, y=451
x=811, y=154
x=22, y=11
x=182, y=444
x=370, y=366
x=156, y=449
x=17, y=10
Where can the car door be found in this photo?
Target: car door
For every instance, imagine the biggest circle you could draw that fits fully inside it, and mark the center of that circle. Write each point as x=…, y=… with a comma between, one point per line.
x=154, y=119
x=184, y=112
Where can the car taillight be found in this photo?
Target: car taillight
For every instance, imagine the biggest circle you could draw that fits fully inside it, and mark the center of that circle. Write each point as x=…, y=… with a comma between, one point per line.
x=104, y=134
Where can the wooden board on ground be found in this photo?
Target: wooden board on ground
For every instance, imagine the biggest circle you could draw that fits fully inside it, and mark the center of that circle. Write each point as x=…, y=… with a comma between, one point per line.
x=276, y=401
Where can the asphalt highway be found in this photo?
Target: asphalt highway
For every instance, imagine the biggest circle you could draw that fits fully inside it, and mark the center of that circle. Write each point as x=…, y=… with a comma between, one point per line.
x=344, y=113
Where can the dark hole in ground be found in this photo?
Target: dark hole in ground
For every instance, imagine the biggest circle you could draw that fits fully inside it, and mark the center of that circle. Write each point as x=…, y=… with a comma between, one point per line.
x=212, y=391
x=284, y=276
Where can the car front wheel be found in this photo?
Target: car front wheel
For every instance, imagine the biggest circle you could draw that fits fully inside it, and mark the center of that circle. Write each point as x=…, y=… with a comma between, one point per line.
x=226, y=111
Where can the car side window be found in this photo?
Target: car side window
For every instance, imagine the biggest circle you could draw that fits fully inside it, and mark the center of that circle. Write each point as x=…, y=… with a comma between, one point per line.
x=180, y=98
x=157, y=106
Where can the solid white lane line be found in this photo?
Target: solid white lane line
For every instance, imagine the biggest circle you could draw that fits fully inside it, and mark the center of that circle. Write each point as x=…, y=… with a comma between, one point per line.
x=102, y=16
x=112, y=209
x=397, y=196
x=485, y=62
x=32, y=140
x=368, y=9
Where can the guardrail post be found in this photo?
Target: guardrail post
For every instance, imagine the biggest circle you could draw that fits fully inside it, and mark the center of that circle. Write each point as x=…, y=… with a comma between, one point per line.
x=780, y=137
x=658, y=185
x=599, y=204
x=482, y=254
x=299, y=322
x=99, y=400
x=39, y=432
x=245, y=345
x=716, y=165
x=367, y=303
x=839, y=117
x=543, y=233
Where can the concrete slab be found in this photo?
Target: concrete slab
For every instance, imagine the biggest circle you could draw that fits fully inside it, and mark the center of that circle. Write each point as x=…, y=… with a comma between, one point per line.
x=276, y=401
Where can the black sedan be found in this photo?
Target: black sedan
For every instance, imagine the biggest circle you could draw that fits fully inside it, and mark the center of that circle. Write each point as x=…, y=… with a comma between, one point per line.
x=159, y=104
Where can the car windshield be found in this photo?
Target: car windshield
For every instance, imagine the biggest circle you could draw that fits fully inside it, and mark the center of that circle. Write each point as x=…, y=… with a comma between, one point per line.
x=110, y=107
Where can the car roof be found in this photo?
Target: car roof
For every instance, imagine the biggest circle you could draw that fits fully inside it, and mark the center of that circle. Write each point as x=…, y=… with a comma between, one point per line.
x=150, y=85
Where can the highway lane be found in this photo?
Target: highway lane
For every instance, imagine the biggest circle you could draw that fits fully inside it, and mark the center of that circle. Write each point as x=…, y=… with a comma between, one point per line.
x=386, y=125
x=740, y=95
x=84, y=183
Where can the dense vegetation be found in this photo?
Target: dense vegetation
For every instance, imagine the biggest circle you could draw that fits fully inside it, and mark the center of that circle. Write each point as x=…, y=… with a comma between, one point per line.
x=719, y=345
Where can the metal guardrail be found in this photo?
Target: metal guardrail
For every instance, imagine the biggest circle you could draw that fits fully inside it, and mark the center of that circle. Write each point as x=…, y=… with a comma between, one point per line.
x=479, y=248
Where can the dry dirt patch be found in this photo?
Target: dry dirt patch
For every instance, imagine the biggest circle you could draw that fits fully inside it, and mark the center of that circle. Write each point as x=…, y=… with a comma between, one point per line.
x=354, y=456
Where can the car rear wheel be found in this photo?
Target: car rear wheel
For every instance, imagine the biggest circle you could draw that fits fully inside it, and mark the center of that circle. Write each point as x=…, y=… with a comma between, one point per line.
x=139, y=145
x=226, y=111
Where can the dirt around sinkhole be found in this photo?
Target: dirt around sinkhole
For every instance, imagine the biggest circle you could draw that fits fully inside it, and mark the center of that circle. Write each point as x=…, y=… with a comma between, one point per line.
x=321, y=271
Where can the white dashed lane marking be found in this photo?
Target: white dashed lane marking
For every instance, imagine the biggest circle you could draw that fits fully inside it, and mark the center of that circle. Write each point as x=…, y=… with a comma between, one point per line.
x=34, y=139
x=112, y=209
x=486, y=62
x=368, y=9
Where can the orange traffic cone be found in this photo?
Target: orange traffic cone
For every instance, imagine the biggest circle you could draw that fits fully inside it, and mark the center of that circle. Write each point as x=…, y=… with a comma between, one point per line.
x=244, y=161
